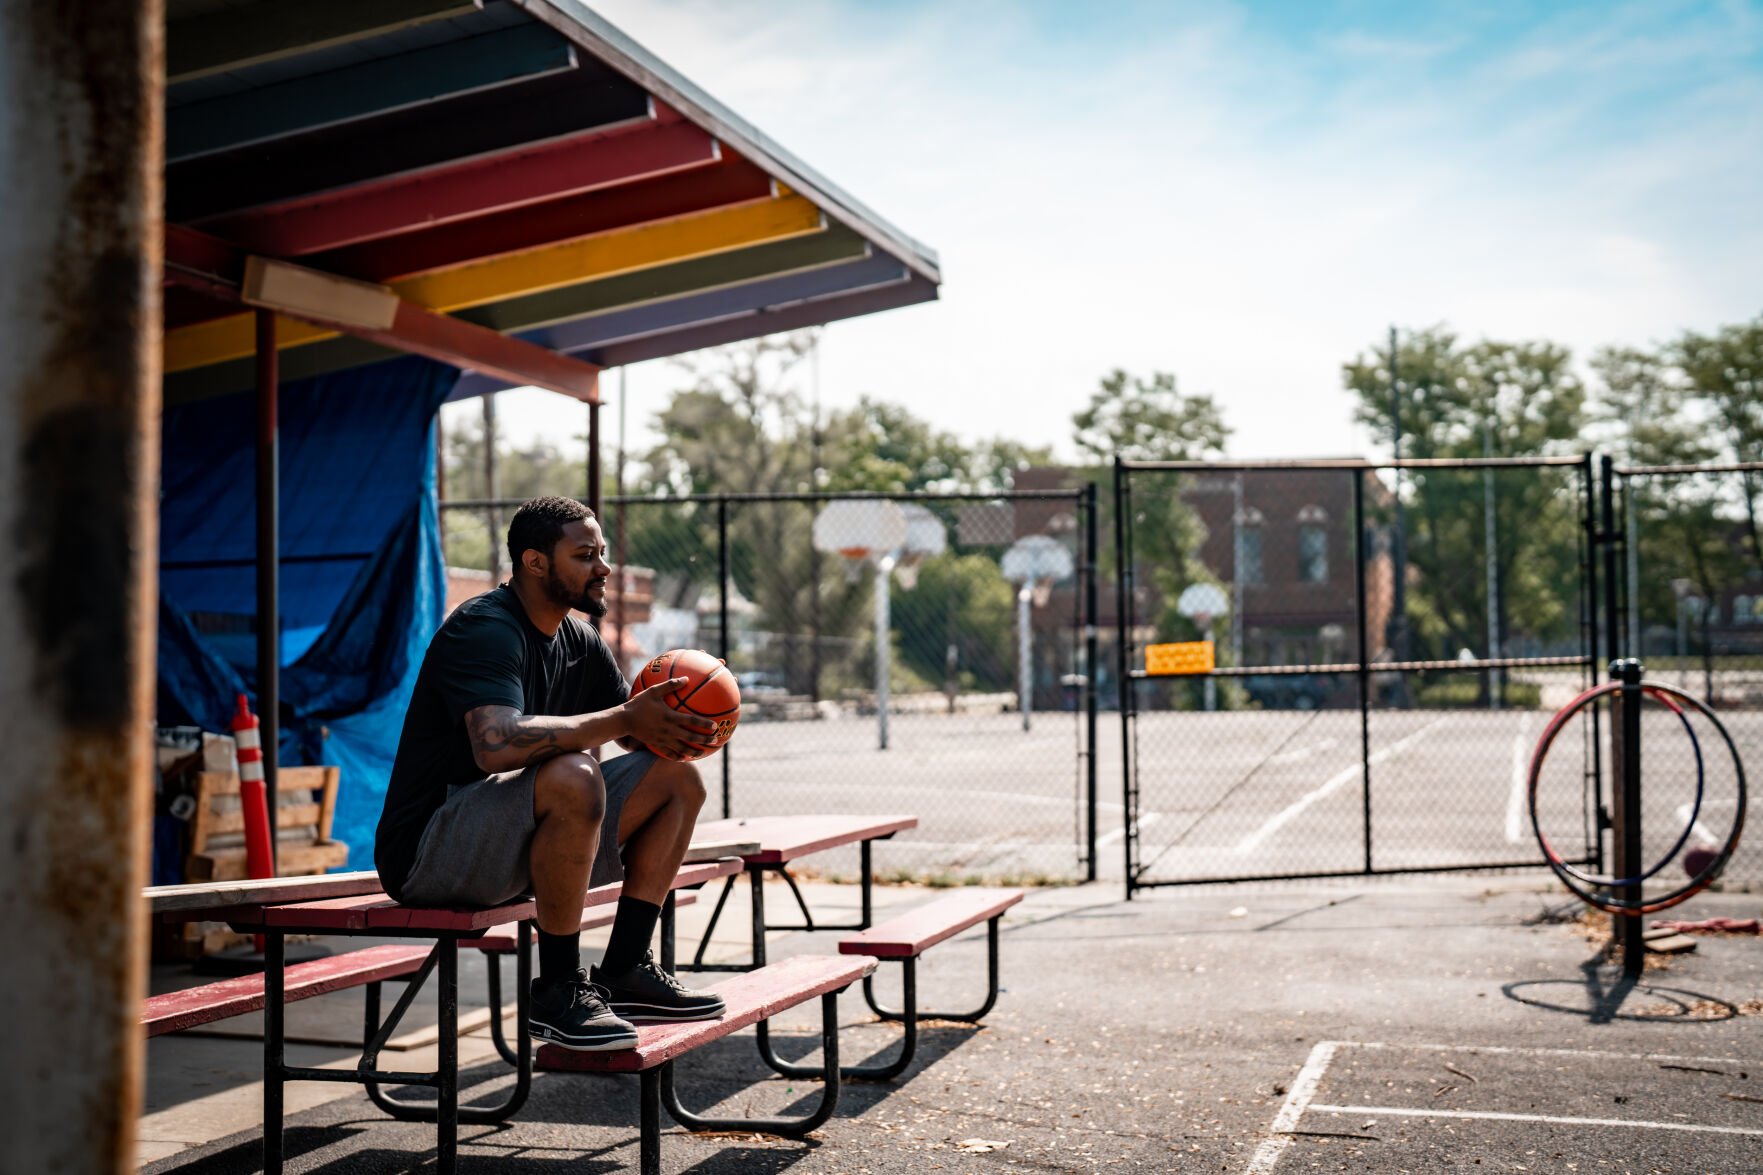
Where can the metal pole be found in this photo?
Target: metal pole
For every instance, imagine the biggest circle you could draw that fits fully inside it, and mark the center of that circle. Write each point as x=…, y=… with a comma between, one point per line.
x=1632, y=549
x=1629, y=928
x=1239, y=582
x=594, y=458
x=814, y=551
x=1359, y=531
x=1123, y=663
x=1590, y=637
x=79, y=467
x=269, y=612
x=492, y=491
x=441, y=484
x=1091, y=668
x=1398, y=624
x=1611, y=537
x=618, y=526
x=722, y=630
x=884, y=574
x=1490, y=540
x=1024, y=651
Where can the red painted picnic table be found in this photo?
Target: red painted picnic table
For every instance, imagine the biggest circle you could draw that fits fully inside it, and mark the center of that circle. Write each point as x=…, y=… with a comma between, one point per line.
x=782, y=839
x=375, y=913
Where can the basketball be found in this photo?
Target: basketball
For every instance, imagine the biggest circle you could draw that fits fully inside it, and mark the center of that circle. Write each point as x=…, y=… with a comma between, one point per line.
x=1698, y=857
x=710, y=690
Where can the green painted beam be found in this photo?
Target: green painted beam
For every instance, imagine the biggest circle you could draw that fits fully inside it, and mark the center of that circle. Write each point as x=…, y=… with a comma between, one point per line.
x=830, y=247
x=231, y=38
x=364, y=90
x=835, y=245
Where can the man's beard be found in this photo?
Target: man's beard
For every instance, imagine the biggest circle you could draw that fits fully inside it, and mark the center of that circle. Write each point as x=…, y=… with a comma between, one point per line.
x=585, y=602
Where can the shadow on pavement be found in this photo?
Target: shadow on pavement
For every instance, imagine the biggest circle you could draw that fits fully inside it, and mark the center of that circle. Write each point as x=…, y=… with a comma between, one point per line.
x=1603, y=990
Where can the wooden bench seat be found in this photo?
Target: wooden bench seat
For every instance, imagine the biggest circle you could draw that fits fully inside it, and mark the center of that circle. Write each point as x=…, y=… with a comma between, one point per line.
x=902, y=939
x=909, y=935
x=174, y=1011
x=752, y=998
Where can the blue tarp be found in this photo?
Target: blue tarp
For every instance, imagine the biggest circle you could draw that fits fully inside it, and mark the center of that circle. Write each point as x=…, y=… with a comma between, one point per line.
x=363, y=585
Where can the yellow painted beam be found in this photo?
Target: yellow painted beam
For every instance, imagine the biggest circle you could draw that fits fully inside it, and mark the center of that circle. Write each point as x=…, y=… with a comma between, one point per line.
x=531, y=272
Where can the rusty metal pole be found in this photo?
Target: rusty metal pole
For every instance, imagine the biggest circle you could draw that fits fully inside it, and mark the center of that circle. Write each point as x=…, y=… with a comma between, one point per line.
x=81, y=155
x=269, y=562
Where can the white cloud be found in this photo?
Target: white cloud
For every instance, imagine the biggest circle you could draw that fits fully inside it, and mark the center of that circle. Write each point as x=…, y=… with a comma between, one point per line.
x=1198, y=199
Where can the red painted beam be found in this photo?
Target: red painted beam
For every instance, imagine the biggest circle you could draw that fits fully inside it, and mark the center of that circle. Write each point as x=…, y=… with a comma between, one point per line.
x=195, y=260
x=474, y=187
x=465, y=344
x=730, y=181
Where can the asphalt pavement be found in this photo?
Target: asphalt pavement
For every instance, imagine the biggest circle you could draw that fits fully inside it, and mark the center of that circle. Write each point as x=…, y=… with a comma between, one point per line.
x=1386, y=1025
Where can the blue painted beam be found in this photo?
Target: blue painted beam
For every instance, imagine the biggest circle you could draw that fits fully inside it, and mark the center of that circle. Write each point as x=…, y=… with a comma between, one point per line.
x=366, y=90
x=767, y=321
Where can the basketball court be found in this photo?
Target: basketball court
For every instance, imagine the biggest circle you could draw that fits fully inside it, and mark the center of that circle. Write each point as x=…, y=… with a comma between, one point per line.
x=1550, y=1109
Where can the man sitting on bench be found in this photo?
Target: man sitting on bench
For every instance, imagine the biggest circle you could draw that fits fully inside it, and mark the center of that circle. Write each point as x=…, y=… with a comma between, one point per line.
x=493, y=792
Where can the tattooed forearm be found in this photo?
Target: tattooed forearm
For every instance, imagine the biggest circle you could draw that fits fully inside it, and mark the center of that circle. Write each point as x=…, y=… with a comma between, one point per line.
x=503, y=739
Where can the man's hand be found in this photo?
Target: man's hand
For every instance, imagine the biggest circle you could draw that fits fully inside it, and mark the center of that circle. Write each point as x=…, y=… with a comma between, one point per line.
x=663, y=729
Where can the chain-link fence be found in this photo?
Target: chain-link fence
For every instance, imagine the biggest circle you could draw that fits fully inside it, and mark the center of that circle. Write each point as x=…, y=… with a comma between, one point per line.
x=1689, y=568
x=1388, y=642
x=885, y=666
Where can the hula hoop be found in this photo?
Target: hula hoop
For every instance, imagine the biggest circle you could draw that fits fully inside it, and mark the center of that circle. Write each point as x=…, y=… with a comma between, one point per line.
x=1572, y=878
x=1689, y=825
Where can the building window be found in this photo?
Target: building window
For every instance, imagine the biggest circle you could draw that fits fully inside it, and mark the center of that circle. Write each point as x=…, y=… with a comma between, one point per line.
x=1741, y=610
x=1250, y=570
x=1312, y=545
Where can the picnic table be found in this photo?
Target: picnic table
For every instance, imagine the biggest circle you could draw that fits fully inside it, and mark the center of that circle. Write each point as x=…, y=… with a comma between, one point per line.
x=354, y=905
x=778, y=841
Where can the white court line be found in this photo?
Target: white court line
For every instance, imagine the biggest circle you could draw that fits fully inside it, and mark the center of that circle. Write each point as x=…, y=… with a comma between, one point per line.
x=1296, y=808
x=1303, y=1092
x=1145, y=821
x=1297, y=1101
x=1516, y=800
x=1302, y=753
x=1495, y=1116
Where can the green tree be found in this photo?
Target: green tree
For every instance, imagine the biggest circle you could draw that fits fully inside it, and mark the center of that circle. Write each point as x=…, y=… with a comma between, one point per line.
x=1149, y=419
x=522, y=472
x=1696, y=400
x=1487, y=399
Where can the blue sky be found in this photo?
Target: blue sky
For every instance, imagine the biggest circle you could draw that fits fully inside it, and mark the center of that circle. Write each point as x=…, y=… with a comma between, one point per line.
x=1244, y=194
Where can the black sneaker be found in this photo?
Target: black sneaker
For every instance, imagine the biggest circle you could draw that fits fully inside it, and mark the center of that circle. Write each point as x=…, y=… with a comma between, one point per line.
x=647, y=993
x=572, y=1013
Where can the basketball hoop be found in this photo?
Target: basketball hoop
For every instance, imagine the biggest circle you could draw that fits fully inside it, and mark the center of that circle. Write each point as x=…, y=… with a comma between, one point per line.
x=855, y=558
x=1034, y=563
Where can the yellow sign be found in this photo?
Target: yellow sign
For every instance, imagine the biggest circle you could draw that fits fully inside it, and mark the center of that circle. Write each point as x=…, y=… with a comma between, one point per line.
x=1178, y=658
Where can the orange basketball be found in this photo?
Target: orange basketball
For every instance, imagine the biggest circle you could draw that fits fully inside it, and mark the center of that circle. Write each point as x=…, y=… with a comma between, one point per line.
x=710, y=690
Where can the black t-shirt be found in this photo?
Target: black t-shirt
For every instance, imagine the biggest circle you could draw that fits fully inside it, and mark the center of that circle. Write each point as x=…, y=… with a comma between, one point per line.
x=486, y=654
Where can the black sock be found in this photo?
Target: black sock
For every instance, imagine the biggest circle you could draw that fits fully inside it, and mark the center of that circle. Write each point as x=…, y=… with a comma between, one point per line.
x=631, y=932
x=559, y=955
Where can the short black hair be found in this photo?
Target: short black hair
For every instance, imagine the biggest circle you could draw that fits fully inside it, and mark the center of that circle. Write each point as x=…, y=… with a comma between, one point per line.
x=538, y=525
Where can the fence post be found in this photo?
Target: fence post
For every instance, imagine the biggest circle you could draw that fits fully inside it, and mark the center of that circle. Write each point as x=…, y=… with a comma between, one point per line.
x=1589, y=642
x=1092, y=548
x=1123, y=670
x=1364, y=666
x=722, y=626
x=1626, y=752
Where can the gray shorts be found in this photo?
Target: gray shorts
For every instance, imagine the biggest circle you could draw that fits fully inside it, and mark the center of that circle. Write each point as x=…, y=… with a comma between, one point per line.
x=476, y=849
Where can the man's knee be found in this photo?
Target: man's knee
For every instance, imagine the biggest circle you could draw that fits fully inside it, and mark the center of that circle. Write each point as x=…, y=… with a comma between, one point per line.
x=570, y=784
x=687, y=784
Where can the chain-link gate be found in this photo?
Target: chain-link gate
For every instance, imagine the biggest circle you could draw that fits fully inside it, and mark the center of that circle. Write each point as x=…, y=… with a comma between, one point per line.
x=1389, y=641
x=885, y=672
x=1686, y=563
